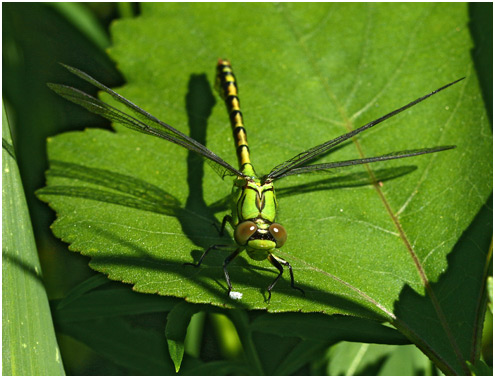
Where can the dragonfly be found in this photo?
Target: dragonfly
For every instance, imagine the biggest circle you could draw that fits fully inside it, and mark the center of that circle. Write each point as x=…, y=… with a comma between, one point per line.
x=253, y=201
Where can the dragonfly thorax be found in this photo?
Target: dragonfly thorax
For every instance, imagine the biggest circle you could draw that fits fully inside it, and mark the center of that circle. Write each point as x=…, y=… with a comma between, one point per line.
x=253, y=200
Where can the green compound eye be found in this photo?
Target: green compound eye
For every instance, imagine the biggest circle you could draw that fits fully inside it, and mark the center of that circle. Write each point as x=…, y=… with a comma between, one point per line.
x=279, y=234
x=244, y=231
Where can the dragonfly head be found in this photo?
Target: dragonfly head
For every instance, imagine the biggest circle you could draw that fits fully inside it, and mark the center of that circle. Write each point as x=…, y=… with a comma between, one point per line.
x=261, y=235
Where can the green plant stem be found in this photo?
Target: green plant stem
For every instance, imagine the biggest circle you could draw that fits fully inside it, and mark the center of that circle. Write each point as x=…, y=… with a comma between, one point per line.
x=241, y=322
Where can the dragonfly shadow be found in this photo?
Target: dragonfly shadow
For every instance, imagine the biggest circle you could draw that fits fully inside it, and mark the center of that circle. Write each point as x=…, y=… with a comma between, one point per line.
x=107, y=186
x=200, y=101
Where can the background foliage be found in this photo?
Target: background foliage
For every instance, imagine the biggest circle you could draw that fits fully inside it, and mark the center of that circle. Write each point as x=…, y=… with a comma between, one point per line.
x=264, y=78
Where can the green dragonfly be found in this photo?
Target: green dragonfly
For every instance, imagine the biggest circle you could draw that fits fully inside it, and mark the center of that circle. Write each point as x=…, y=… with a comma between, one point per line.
x=254, y=205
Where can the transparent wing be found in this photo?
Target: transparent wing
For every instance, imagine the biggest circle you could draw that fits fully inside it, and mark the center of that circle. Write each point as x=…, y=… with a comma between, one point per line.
x=393, y=155
x=142, y=121
x=304, y=157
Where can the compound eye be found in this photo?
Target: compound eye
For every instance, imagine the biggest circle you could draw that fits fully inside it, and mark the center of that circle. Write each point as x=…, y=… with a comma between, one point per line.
x=279, y=234
x=244, y=231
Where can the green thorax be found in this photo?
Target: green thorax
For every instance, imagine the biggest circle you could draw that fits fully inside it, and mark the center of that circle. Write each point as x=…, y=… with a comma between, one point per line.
x=253, y=200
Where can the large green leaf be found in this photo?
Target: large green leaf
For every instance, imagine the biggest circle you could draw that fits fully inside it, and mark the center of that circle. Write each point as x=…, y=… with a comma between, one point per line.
x=141, y=207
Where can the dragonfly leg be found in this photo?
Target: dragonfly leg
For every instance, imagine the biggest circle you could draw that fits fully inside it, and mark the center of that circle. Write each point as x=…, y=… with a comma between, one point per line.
x=225, y=263
x=277, y=262
x=215, y=246
x=226, y=219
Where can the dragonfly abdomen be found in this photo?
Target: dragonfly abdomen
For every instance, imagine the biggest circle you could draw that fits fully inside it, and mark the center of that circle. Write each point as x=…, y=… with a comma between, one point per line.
x=227, y=86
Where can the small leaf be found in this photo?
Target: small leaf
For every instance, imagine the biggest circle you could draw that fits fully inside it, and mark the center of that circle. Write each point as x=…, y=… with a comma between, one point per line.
x=480, y=368
x=177, y=322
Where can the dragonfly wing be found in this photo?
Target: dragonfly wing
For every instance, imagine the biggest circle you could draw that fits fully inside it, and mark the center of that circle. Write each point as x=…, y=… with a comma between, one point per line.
x=328, y=167
x=299, y=160
x=141, y=120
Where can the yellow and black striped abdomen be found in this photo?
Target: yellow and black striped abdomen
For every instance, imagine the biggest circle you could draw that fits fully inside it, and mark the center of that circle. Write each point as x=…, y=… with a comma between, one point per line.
x=227, y=86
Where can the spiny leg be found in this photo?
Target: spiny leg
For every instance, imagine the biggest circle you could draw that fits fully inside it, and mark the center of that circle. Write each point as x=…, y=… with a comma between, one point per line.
x=280, y=268
x=215, y=246
x=225, y=219
x=276, y=262
x=225, y=263
x=286, y=263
